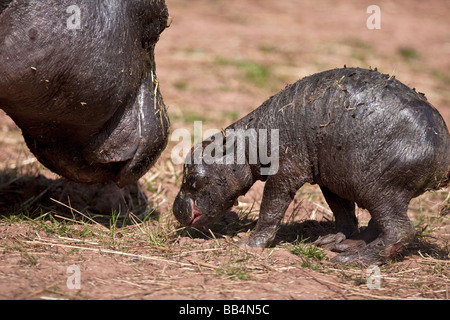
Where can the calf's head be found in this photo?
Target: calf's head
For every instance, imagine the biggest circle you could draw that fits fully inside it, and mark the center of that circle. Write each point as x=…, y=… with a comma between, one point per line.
x=80, y=81
x=209, y=189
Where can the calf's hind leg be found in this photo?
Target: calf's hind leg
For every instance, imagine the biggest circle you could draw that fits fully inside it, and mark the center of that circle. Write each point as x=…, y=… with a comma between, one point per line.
x=395, y=233
x=344, y=212
x=346, y=223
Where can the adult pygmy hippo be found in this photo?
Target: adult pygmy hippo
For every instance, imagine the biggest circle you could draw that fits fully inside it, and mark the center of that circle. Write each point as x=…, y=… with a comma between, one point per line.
x=362, y=136
x=79, y=79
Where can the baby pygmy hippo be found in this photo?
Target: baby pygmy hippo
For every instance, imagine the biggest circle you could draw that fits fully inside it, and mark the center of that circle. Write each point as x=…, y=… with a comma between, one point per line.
x=362, y=136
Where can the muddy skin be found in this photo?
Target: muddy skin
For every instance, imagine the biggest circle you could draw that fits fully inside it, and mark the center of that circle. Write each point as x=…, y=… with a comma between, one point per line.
x=87, y=100
x=362, y=136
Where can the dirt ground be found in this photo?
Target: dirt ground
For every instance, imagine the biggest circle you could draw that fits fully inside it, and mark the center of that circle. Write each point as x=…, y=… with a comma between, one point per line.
x=218, y=61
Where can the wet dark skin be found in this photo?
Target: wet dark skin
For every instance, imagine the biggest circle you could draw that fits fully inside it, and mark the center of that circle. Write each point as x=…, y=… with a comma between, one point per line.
x=362, y=136
x=87, y=100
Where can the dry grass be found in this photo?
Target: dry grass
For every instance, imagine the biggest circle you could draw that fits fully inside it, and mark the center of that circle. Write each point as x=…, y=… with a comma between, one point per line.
x=181, y=263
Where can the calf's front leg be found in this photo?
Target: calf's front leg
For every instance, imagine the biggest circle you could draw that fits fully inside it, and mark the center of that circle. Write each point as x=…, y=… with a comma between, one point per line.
x=278, y=194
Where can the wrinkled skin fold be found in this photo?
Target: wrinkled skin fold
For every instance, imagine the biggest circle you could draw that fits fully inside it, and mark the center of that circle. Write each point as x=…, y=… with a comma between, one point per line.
x=87, y=100
x=362, y=136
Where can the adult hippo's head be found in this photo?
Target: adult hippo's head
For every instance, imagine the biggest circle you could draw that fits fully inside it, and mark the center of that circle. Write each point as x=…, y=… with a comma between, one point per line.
x=78, y=77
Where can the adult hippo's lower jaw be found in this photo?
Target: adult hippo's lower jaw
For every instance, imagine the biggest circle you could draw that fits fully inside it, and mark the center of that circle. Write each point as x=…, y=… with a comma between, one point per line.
x=134, y=138
x=153, y=133
x=124, y=149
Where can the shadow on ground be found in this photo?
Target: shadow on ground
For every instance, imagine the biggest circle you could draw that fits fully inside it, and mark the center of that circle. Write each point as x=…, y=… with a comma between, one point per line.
x=33, y=196
x=306, y=231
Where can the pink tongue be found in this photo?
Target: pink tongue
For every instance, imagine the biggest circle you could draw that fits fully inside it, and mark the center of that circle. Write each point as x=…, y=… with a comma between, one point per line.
x=197, y=215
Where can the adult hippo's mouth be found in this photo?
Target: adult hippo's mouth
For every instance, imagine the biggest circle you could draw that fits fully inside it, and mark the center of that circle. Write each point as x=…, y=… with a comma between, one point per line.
x=137, y=138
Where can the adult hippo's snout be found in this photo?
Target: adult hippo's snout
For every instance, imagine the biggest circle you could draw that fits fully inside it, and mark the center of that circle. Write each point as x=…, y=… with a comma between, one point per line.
x=135, y=138
x=86, y=97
